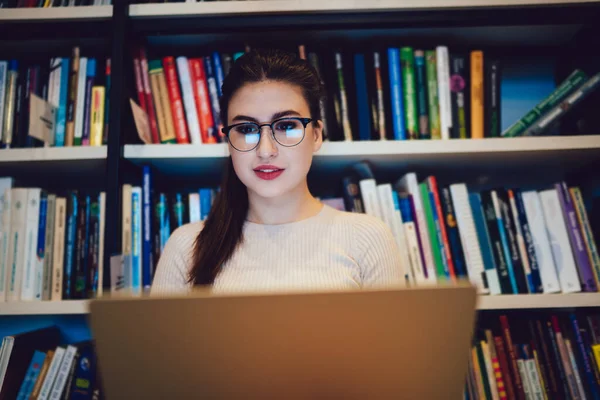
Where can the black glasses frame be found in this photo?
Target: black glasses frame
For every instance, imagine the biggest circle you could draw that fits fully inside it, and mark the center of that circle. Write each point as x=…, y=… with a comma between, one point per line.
x=304, y=121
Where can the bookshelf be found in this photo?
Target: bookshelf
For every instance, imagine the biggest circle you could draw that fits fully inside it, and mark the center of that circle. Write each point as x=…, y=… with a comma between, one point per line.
x=45, y=154
x=45, y=308
x=27, y=15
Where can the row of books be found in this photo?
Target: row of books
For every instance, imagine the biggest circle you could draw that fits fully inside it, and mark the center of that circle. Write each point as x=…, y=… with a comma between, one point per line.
x=550, y=357
x=34, y=365
x=505, y=241
x=402, y=93
x=76, y=87
x=52, y=3
x=148, y=219
x=51, y=246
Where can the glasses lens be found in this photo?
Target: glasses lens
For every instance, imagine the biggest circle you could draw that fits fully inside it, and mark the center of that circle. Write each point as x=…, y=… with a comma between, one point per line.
x=244, y=136
x=288, y=131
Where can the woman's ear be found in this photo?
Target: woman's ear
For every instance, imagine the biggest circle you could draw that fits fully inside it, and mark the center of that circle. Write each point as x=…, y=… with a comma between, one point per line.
x=318, y=135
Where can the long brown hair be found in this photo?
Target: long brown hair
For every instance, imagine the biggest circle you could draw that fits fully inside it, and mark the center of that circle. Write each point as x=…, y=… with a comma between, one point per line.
x=223, y=228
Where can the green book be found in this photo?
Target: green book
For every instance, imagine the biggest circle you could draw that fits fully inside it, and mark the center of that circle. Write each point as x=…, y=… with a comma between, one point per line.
x=576, y=79
x=407, y=60
x=432, y=91
x=431, y=229
x=422, y=104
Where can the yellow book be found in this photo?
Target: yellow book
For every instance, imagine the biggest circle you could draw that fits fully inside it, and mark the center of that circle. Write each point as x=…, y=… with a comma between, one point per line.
x=47, y=3
x=97, y=118
x=158, y=85
x=477, y=95
x=478, y=376
x=539, y=370
x=596, y=350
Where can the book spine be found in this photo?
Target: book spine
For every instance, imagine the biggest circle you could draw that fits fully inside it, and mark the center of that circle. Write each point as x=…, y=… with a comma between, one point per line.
x=126, y=216
x=437, y=224
x=547, y=369
x=459, y=83
x=147, y=262
x=527, y=389
x=59, y=249
x=504, y=367
x=90, y=78
x=102, y=208
x=396, y=94
x=188, y=100
x=164, y=100
x=3, y=86
x=205, y=203
x=178, y=115
x=5, y=235
x=213, y=93
x=565, y=360
x=573, y=362
x=80, y=102
x=161, y=120
x=136, y=240
x=586, y=274
x=561, y=248
x=216, y=59
x=91, y=282
x=194, y=207
x=407, y=62
x=491, y=272
x=352, y=197
x=468, y=235
x=30, y=267
x=437, y=205
x=63, y=373
x=18, y=135
x=151, y=107
x=31, y=375
x=40, y=278
x=587, y=232
x=107, y=80
x=79, y=273
x=61, y=112
x=477, y=95
x=496, y=372
x=381, y=128
x=522, y=250
x=493, y=228
x=71, y=226
x=485, y=378
x=553, y=116
x=558, y=363
x=492, y=98
x=458, y=258
x=432, y=91
x=369, y=197
x=35, y=392
x=422, y=98
x=443, y=76
x=72, y=97
x=200, y=85
x=347, y=128
x=10, y=104
x=97, y=116
x=16, y=249
x=59, y=354
x=530, y=253
x=518, y=383
x=587, y=362
x=412, y=240
x=518, y=270
x=433, y=237
x=505, y=243
x=573, y=81
x=362, y=98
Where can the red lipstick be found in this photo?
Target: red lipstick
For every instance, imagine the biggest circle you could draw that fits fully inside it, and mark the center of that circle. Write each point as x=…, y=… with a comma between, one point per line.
x=268, y=172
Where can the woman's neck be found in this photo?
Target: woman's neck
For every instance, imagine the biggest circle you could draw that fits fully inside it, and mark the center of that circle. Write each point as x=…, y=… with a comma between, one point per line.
x=294, y=206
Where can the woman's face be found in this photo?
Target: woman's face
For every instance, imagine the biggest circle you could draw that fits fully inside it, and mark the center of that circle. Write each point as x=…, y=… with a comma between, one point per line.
x=272, y=170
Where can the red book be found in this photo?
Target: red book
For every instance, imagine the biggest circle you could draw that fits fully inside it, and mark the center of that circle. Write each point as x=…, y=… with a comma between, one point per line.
x=432, y=183
x=139, y=85
x=200, y=87
x=181, y=132
x=148, y=93
x=519, y=392
x=502, y=360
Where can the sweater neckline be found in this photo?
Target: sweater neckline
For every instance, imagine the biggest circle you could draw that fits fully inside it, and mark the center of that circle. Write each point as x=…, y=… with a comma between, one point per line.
x=320, y=214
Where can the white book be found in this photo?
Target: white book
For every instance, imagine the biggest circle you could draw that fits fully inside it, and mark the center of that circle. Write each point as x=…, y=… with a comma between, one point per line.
x=49, y=247
x=525, y=379
x=63, y=373
x=468, y=235
x=136, y=239
x=408, y=184
x=16, y=244
x=368, y=191
x=576, y=369
x=30, y=265
x=3, y=85
x=58, y=257
x=534, y=379
x=393, y=218
x=189, y=103
x=54, y=83
x=412, y=242
x=194, y=206
x=5, y=186
x=126, y=224
x=559, y=241
x=521, y=241
x=102, y=204
x=80, y=102
x=443, y=78
x=539, y=235
x=7, y=346
x=57, y=359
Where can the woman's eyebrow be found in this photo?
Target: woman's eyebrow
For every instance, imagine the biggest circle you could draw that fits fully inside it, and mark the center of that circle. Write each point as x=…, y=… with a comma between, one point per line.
x=244, y=118
x=275, y=116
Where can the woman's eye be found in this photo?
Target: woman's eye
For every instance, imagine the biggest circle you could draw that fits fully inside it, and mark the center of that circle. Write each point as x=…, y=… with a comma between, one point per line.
x=246, y=129
x=286, y=126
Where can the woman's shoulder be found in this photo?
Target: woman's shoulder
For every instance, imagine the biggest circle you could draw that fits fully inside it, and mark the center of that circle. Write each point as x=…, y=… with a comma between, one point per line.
x=185, y=236
x=361, y=223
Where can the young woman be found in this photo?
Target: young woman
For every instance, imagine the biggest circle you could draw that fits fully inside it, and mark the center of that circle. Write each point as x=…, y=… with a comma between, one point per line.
x=266, y=231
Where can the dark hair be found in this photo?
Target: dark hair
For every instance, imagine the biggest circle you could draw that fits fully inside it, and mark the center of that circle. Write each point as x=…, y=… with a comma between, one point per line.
x=224, y=225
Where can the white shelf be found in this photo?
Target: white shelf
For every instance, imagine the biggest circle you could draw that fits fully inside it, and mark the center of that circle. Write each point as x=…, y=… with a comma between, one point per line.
x=502, y=302
x=227, y=8
x=52, y=154
x=55, y=13
x=45, y=307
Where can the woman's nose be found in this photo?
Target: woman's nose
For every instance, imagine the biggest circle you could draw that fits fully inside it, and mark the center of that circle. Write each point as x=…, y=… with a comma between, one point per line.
x=267, y=147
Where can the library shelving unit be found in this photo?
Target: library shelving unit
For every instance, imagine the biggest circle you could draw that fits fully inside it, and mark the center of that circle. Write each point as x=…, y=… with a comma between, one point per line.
x=552, y=29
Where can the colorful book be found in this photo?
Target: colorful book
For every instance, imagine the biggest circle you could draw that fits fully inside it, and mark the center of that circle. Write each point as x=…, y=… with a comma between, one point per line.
x=492, y=116
x=175, y=101
x=491, y=272
x=443, y=76
x=411, y=114
x=477, y=105
x=347, y=129
x=588, y=234
x=460, y=97
x=422, y=95
x=432, y=94
x=396, y=94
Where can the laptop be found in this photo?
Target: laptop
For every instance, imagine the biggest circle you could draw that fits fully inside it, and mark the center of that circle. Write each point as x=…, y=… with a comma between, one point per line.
x=387, y=343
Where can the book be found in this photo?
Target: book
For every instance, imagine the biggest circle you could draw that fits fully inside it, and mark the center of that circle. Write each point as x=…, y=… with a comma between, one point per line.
x=492, y=97
x=191, y=114
x=175, y=101
x=97, y=116
x=477, y=95
x=407, y=62
x=343, y=99
x=422, y=95
x=432, y=94
x=586, y=229
x=443, y=76
x=396, y=94
x=460, y=88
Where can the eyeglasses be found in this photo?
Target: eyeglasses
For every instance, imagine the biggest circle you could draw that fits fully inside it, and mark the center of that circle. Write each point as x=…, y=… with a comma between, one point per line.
x=288, y=132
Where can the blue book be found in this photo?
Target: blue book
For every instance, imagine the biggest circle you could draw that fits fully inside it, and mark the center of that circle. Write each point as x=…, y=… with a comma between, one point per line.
x=61, y=113
x=205, y=203
x=504, y=240
x=405, y=211
x=84, y=374
x=86, y=243
x=580, y=345
x=90, y=77
x=396, y=94
x=456, y=250
x=72, y=207
x=213, y=93
x=438, y=232
x=218, y=72
x=165, y=227
x=485, y=244
x=41, y=240
x=147, y=228
x=31, y=375
x=535, y=280
x=362, y=98
x=136, y=251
